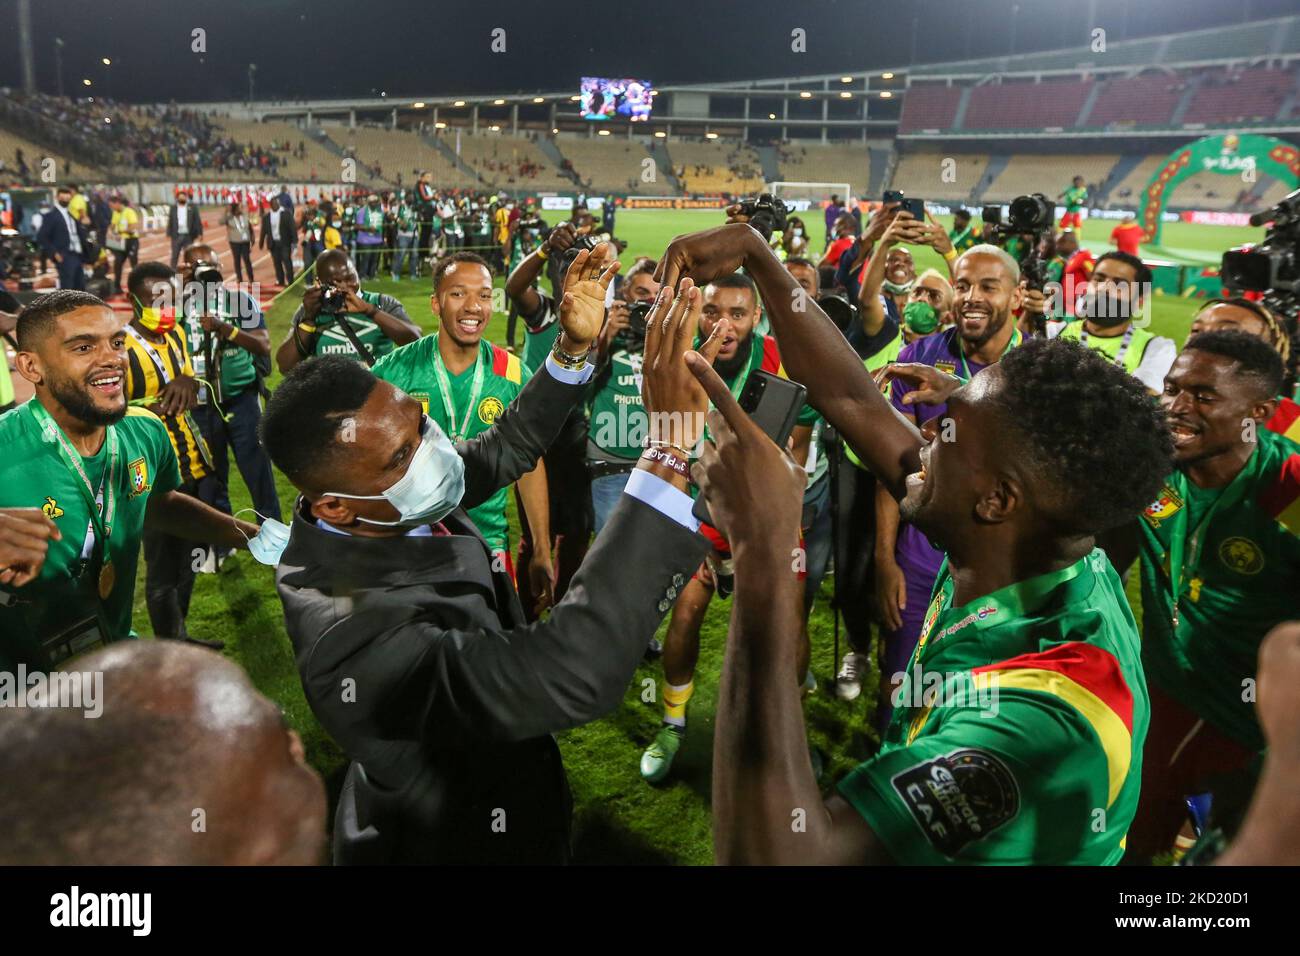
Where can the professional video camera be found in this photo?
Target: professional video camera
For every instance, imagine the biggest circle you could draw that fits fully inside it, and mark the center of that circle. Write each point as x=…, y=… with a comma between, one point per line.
x=840, y=310
x=1029, y=219
x=766, y=213
x=18, y=258
x=1272, y=266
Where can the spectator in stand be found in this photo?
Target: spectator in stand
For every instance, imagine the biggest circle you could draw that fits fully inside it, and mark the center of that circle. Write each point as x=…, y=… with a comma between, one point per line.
x=123, y=237
x=239, y=233
x=1127, y=236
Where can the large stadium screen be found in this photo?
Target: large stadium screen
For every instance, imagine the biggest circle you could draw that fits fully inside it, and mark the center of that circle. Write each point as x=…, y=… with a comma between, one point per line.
x=605, y=99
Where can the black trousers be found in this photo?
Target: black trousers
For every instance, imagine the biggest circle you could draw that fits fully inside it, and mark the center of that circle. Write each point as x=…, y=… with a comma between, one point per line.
x=855, y=539
x=170, y=565
x=242, y=252
x=238, y=433
x=282, y=256
x=132, y=253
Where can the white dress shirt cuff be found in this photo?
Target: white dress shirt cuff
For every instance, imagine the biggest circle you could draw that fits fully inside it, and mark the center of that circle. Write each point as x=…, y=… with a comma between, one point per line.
x=663, y=497
x=569, y=376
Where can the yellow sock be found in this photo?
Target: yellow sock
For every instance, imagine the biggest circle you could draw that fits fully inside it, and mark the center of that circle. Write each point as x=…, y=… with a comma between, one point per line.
x=675, y=699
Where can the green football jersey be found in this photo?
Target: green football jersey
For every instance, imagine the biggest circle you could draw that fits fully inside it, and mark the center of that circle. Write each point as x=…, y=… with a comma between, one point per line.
x=467, y=406
x=1075, y=197
x=619, y=424
x=1236, y=559
x=34, y=473
x=332, y=340
x=1018, y=729
x=236, y=363
x=540, y=334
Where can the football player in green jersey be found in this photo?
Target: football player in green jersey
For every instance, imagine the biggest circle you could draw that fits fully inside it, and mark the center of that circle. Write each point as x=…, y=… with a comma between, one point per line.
x=97, y=471
x=1028, y=620
x=1219, y=552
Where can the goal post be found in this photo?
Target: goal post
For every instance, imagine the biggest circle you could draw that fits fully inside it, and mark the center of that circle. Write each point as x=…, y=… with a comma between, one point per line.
x=805, y=196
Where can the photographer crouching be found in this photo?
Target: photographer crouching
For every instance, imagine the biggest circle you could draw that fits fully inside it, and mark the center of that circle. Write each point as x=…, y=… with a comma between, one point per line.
x=337, y=318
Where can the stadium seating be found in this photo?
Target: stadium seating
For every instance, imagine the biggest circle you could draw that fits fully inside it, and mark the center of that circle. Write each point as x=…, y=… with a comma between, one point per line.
x=610, y=164
x=389, y=153
x=1148, y=99
x=1240, y=96
x=715, y=166
x=1048, y=175
x=1213, y=191
x=921, y=174
x=1127, y=192
x=929, y=106
x=320, y=164
x=509, y=162
x=831, y=163
x=1025, y=105
x=33, y=154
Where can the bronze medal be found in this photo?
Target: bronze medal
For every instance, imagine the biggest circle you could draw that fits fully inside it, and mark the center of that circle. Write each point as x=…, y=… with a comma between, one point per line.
x=107, y=578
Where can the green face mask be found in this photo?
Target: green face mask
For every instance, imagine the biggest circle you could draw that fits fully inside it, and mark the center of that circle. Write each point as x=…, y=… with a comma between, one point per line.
x=920, y=317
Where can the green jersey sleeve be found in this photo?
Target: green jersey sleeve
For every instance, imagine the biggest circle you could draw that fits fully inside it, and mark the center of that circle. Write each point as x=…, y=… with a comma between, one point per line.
x=1024, y=781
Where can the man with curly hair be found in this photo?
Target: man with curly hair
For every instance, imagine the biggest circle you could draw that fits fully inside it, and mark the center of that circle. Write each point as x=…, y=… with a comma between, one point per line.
x=1017, y=734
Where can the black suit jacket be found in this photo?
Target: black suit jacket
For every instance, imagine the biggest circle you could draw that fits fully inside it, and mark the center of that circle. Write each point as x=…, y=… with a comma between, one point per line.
x=288, y=230
x=415, y=656
x=185, y=221
x=53, y=235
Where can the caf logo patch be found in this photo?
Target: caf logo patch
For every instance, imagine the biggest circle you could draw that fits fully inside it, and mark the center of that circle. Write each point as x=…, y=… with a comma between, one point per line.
x=51, y=509
x=139, y=470
x=1164, y=507
x=423, y=399
x=1241, y=555
x=489, y=409
x=959, y=797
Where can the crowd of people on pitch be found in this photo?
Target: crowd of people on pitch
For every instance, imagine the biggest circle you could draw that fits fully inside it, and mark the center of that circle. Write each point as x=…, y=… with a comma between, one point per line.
x=989, y=468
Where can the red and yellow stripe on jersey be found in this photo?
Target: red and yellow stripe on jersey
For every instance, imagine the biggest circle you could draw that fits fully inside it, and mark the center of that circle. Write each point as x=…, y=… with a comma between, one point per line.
x=1089, y=679
x=506, y=365
x=1286, y=420
x=1281, y=499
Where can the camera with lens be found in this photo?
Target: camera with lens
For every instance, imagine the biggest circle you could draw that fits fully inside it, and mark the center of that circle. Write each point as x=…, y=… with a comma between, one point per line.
x=840, y=310
x=765, y=213
x=333, y=301
x=1272, y=266
x=1029, y=218
x=633, y=337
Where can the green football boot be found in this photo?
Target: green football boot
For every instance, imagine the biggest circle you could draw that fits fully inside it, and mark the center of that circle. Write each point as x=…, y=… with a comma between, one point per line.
x=658, y=757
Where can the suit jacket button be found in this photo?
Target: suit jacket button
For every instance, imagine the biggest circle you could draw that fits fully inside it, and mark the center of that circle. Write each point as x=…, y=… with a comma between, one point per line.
x=671, y=594
x=678, y=580
x=664, y=605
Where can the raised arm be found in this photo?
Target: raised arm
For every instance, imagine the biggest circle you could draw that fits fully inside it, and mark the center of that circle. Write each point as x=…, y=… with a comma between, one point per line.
x=767, y=806
x=814, y=351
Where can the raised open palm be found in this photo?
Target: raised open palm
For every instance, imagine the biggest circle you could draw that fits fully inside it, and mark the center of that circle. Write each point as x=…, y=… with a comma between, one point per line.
x=582, y=308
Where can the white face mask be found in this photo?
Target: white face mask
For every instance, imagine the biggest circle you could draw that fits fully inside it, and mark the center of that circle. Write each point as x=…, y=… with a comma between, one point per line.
x=433, y=484
x=895, y=288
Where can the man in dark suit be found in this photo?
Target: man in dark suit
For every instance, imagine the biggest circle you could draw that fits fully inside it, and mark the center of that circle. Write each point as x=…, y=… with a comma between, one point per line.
x=413, y=647
x=184, y=225
x=65, y=240
x=280, y=234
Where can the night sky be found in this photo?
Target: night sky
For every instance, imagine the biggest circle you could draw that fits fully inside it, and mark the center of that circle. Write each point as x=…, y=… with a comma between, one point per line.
x=333, y=48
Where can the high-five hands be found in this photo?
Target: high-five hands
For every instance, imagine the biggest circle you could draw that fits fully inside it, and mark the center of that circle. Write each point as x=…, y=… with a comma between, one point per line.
x=674, y=400
x=582, y=307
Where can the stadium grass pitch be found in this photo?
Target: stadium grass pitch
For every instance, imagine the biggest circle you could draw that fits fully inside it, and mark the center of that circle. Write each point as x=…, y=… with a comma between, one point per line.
x=617, y=817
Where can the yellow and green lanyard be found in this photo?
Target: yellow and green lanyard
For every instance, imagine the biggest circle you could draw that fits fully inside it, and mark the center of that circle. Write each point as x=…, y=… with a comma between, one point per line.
x=1184, y=548
x=444, y=386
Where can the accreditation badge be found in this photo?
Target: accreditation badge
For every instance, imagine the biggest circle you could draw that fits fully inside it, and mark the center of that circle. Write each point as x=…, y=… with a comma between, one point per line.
x=89, y=633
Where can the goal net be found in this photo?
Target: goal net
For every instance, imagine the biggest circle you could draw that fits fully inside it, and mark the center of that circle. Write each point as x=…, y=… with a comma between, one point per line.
x=804, y=196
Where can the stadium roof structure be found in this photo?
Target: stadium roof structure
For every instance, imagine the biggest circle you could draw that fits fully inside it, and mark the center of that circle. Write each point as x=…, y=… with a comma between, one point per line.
x=857, y=105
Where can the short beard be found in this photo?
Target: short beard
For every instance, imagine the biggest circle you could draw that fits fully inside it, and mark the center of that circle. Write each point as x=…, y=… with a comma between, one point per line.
x=729, y=368
x=81, y=406
x=996, y=324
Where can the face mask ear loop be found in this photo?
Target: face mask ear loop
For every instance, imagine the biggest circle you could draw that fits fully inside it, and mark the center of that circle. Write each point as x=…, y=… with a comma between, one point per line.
x=240, y=512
